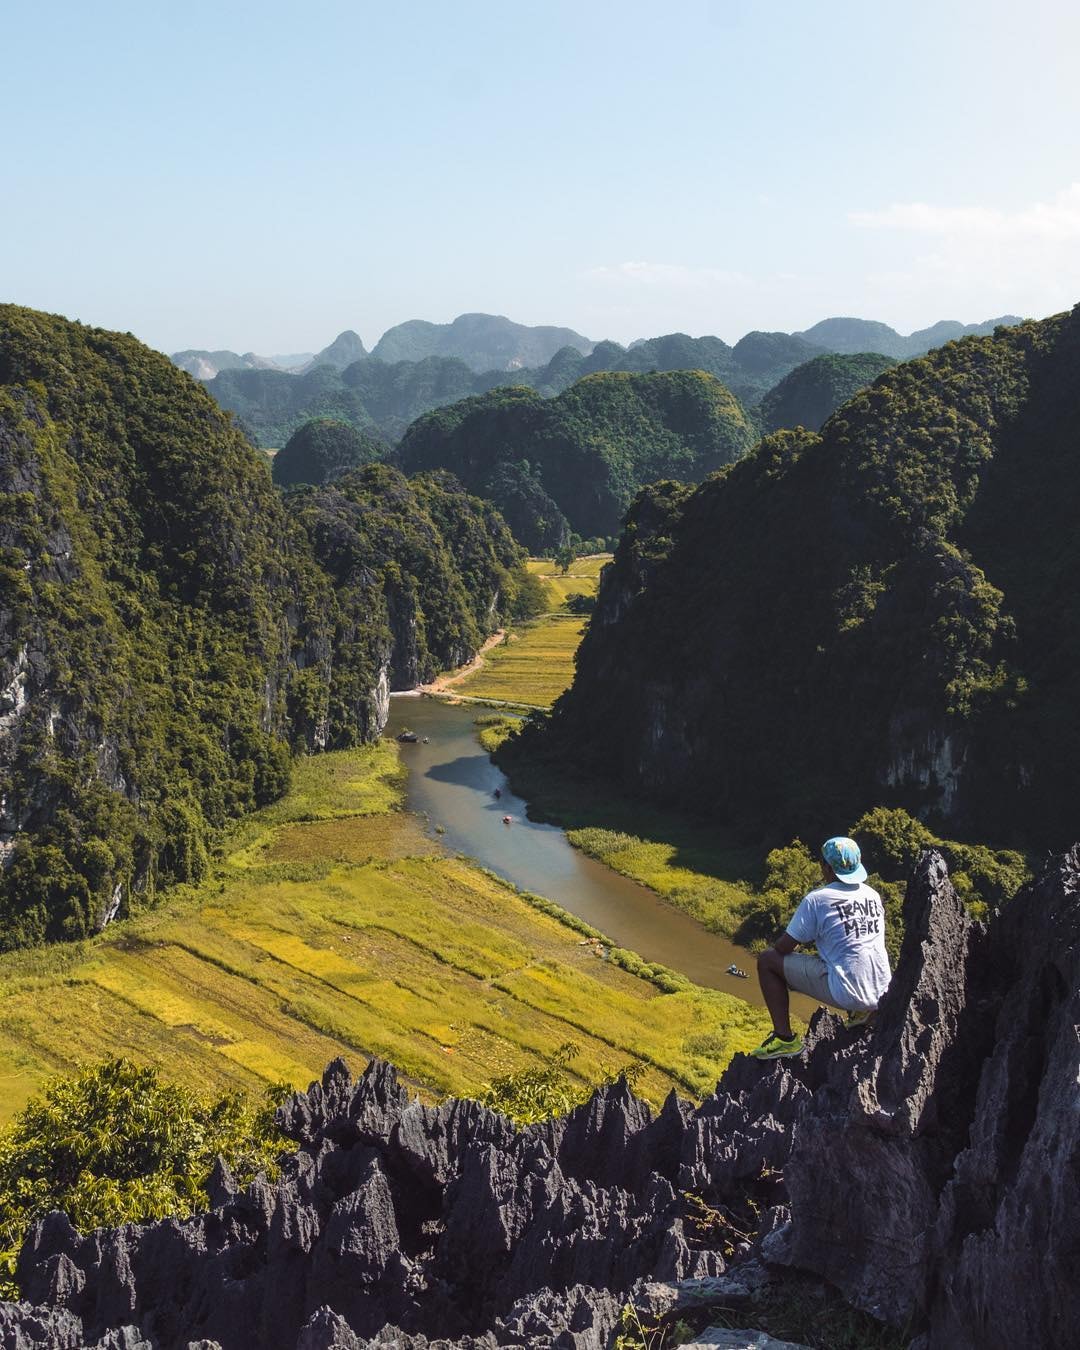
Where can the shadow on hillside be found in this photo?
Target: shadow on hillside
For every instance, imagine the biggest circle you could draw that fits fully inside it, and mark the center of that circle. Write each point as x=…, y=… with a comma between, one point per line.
x=555, y=794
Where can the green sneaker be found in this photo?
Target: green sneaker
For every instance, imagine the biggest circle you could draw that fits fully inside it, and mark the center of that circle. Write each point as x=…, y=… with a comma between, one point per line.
x=859, y=1019
x=774, y=1047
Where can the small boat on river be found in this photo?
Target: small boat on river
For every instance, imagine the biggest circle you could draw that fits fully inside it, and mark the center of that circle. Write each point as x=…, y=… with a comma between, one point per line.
x=409, y=737
x=733, y=969
x=508, y=820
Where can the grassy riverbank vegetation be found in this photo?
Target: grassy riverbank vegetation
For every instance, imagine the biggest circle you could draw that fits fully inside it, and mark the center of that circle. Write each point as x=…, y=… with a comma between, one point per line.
x=535, y=662
x=332, y=925
x=744, y=891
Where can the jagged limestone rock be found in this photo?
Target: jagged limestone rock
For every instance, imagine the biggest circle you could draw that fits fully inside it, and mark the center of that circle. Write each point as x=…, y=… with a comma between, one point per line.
x=938, y=1184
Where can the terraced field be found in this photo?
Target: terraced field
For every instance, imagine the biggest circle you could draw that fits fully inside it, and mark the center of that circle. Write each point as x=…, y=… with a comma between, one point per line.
x=333, y=925
x=535, y=663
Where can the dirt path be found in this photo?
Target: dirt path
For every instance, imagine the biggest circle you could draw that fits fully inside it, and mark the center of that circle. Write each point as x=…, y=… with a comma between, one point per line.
x=443, y=684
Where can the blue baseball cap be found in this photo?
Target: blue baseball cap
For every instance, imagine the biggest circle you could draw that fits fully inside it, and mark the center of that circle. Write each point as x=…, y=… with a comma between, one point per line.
x=844, y=858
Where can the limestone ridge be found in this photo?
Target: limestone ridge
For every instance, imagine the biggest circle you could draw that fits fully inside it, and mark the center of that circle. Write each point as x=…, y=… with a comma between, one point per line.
x=929, y=1170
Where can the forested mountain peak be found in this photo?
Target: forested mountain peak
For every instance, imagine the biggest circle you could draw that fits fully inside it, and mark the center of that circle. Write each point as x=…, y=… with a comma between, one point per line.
x=322, y=450
x=762, y=353
x=343, y=351
x=812, y=392
x=591, y=447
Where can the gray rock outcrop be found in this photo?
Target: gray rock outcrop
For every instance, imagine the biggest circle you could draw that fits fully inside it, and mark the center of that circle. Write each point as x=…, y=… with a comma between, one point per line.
x=928, y=1168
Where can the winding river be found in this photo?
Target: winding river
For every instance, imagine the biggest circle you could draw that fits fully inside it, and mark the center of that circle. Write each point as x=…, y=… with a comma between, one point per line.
x=452, y=783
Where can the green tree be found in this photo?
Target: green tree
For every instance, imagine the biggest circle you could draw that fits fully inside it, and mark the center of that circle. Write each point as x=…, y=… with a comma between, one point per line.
x=115, y=1144
x=530, y=598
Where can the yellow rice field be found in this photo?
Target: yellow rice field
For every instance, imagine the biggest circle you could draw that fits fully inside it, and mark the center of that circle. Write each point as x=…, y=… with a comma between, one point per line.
x=332, y=925
x=535, y=662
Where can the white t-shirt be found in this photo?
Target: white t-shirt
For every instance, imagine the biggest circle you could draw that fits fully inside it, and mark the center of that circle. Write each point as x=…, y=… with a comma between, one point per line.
x=847, y=921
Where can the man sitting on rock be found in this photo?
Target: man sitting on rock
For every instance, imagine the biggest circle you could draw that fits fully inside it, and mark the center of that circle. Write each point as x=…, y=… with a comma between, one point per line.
x=846, y=920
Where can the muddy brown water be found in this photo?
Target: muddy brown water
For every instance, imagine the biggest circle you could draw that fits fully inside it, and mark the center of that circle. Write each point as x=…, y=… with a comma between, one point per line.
x=452, y=783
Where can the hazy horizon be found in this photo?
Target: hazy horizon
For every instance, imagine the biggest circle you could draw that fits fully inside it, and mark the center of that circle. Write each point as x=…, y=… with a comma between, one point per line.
x=261, y=179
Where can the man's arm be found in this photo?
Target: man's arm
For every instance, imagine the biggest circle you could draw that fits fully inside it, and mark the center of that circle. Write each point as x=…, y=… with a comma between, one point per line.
x=785, y=944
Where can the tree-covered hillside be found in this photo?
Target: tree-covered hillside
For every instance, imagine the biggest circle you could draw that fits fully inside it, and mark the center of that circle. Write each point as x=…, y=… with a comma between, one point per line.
x=590, y=448
x=170, y=628
x=812, y=392
x=274, y=403
x=883, y=614
x=321, y=450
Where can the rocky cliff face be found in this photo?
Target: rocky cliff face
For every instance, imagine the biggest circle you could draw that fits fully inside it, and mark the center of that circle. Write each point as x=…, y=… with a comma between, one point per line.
x=929, y=1168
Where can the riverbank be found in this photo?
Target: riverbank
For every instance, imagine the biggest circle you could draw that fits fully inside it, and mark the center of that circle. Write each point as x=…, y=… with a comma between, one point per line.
x=453, y=784
x=698, y=869
x=333, y=924
x=449, y=679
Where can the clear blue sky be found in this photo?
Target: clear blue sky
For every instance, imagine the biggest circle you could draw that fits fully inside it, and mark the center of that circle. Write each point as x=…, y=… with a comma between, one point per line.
x=262, y=176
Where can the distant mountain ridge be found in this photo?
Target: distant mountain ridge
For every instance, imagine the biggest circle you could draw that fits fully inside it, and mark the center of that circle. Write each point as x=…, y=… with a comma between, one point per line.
x=418, y=366
x=343, y=351
x=205, y=365
x=849, y=337
x=483, y=341
x=489, y=342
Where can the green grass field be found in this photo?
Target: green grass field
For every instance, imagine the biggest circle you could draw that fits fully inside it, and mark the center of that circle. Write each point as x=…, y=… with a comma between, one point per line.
x=333, y=925
x=535, y=662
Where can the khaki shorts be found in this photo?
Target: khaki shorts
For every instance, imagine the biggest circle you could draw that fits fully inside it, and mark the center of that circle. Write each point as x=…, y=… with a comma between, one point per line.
x=809, y=975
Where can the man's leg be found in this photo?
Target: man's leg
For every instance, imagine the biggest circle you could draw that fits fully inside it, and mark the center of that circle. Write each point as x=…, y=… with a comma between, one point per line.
x=774, y=989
